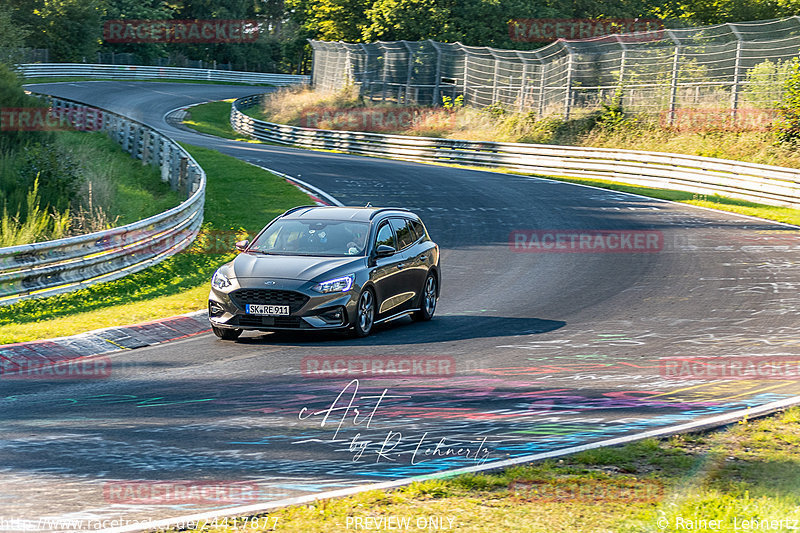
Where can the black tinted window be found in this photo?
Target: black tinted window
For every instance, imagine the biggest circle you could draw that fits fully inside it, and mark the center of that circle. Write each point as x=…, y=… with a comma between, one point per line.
x=404, y=236
x=385, y=236
x=418, y=228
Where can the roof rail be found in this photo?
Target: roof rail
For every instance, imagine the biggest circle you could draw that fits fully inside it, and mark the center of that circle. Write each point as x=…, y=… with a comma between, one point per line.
x=381, y=209
x=292, y=210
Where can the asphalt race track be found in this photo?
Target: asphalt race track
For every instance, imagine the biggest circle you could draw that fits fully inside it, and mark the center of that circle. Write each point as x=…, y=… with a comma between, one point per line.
x=528, y=352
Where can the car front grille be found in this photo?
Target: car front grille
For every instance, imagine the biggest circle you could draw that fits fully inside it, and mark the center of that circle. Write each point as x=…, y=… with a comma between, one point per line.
x=293, y=322
x=294, y=300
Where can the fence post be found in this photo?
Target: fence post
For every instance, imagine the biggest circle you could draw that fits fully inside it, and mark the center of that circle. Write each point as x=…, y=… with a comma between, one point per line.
x=523, y=81
x=673, y=85
x=362, y=84
x=466, y=68
x=438, y=79
x=409, y=72
x=568, y=85
x=385, y=70
x=623, y=56
x=542, y=71
x=737, y=70
x=495, y=75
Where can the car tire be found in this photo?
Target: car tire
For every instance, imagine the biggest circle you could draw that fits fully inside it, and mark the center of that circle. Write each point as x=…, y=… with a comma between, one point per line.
x=427, y=299
x=226, y=334
x=365, y=313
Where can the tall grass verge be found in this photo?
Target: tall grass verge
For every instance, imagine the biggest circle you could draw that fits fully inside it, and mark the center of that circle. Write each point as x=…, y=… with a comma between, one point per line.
x=38, y=224
x=177, y=285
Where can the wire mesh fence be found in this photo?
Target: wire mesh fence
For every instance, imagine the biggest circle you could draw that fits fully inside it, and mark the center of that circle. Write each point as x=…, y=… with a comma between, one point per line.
x=728, y=72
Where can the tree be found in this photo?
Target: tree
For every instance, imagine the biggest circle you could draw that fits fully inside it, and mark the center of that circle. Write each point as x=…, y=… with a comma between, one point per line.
x=412, y=20
x=331, y=20
x=473, y=22
x=70, y=29
x=12, y=37
x=138, y=10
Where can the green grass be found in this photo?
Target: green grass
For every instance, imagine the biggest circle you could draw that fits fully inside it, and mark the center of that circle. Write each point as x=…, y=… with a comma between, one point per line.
x=240, y=199
x=213, y=118
x=122, y=185
x=750, y=470
x=28, y=81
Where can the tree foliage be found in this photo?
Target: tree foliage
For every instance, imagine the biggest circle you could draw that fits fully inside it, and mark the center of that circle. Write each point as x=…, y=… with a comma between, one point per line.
x=787, y=126
x=71, y=29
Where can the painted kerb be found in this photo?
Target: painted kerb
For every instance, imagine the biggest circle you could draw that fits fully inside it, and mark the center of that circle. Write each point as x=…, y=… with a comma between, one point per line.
x=59, y=266
x=764, y=184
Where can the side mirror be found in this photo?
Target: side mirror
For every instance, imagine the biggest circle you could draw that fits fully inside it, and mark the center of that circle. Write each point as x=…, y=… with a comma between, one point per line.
x=384, y=250
x=241, y=245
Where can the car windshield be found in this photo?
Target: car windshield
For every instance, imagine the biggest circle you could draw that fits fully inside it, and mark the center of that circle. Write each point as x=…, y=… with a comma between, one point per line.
x=331, y=238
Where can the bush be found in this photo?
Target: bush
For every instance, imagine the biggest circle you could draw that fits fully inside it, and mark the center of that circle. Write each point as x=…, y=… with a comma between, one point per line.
x=787, y=125
x=12, y=95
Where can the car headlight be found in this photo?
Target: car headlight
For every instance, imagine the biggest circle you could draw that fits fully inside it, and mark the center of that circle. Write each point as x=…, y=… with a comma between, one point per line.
x=220, y=280
x=343, y=284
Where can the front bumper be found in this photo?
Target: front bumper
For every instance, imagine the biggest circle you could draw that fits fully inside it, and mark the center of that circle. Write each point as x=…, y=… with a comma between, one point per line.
x=308, y=310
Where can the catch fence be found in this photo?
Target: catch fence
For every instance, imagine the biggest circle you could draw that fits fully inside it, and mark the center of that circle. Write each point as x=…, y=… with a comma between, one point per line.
x=734, y=72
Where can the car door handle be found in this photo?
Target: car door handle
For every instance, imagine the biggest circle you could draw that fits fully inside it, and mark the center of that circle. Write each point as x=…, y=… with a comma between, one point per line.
x=401, y=265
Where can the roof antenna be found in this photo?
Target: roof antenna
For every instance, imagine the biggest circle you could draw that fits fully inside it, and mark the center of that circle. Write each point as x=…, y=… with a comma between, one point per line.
x=369, y=204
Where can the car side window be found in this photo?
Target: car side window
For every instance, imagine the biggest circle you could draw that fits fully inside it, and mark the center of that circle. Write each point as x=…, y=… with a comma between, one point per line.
x=415, y=234
x=385, y=236
x=418, y=228
x=404, y=236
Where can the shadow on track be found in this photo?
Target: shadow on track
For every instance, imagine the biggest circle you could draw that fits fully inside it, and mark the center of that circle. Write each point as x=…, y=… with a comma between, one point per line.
x=444, y=328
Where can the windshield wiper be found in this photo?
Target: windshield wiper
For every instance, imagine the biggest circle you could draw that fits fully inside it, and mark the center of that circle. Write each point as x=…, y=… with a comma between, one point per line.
x=262, y=252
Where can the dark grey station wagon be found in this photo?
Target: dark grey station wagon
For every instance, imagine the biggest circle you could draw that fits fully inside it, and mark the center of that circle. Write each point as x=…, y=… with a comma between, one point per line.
x=317, y=268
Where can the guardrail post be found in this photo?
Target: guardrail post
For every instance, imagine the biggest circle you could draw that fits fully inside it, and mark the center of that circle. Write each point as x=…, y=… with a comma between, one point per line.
x=166, y=155
x=182, y=172
x=136, y=148
x=126, y=136
x=146, y=147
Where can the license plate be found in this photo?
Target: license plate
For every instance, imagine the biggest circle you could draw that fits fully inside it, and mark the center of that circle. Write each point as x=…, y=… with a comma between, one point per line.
x=273, y=310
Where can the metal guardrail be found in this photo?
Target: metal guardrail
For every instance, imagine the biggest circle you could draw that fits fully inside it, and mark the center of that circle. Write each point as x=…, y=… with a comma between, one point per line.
x=63, y=265
x=139, y=72
x=764, y=184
